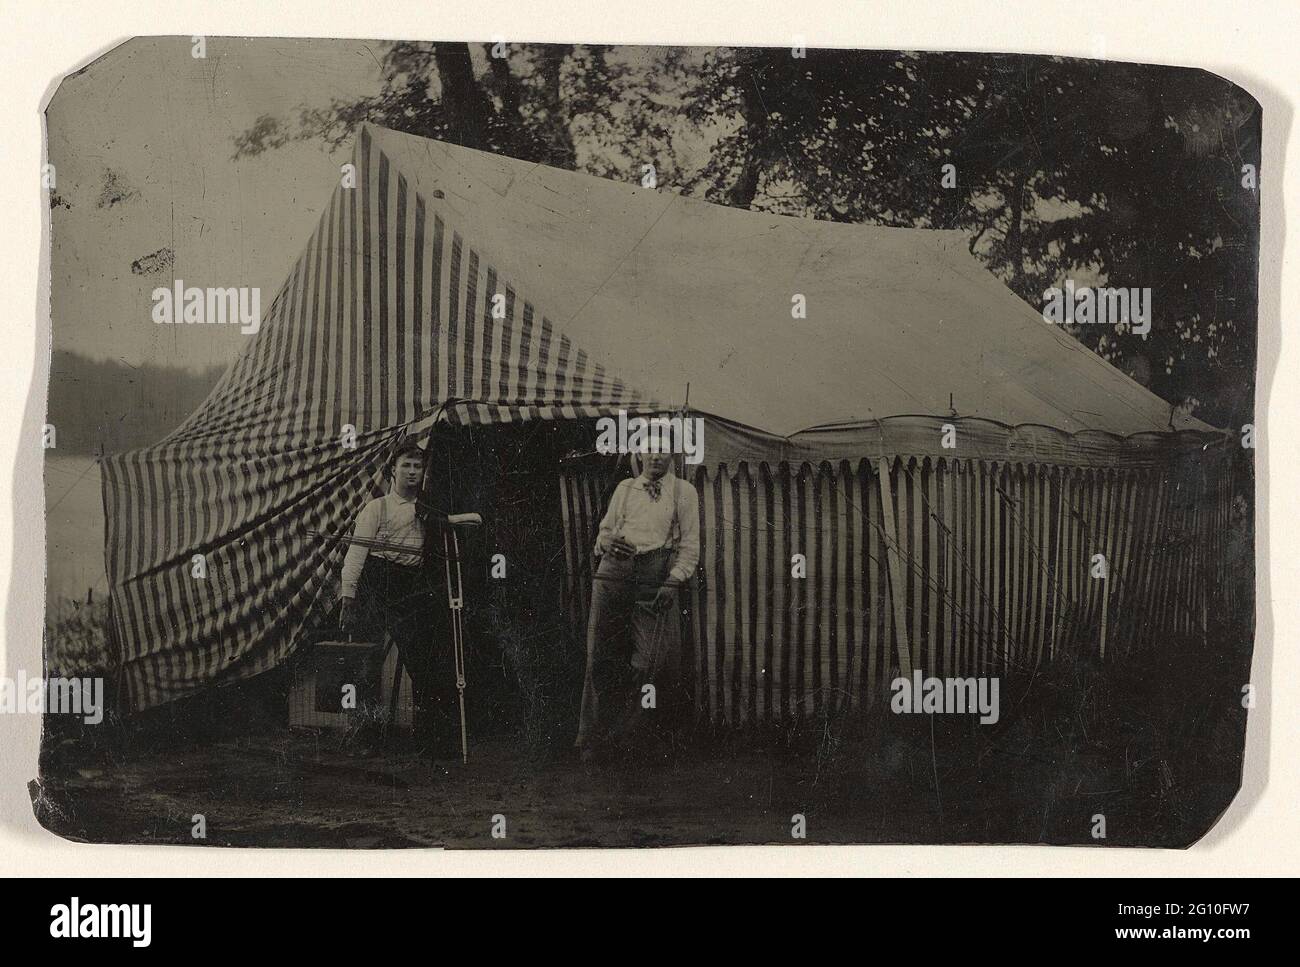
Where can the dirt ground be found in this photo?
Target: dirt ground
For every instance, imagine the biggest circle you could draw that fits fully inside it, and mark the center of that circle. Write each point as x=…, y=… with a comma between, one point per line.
x=302, y=790
x=1155, y=745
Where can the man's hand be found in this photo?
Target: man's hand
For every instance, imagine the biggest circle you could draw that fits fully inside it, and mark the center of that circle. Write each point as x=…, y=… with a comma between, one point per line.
x=664, y=596
x=345, y=613
x=621, y=548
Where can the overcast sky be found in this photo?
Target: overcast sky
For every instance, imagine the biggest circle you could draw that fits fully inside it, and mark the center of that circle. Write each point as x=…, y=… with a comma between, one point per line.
x=142, y=142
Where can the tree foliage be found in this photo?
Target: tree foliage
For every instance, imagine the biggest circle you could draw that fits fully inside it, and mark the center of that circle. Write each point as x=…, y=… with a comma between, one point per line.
x=1106, y=173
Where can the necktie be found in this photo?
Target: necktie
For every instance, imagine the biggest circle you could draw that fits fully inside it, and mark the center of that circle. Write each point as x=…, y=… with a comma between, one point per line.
x=654, y=488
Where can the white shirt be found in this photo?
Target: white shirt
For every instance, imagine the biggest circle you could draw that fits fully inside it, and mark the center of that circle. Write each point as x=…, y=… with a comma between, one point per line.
x=646, y=523
x=391, y=520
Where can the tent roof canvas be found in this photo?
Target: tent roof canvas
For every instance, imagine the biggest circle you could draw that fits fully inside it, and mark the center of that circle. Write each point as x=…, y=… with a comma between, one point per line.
x=672, y=290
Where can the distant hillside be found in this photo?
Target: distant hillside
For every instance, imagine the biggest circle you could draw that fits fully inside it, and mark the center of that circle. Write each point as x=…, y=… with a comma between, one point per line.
x=120, y=407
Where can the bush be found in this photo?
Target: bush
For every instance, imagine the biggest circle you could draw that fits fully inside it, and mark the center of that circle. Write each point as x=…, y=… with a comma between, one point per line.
x=76, y=637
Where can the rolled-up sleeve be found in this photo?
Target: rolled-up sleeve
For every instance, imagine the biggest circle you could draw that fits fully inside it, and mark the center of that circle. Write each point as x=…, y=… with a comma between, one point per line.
x=365, y=527
x=688, y=519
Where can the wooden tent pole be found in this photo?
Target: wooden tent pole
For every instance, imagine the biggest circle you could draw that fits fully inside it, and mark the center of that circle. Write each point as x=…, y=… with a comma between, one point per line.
x=1108, y=506
x=896, y=585
x=1105, y=606
x=1057, y=557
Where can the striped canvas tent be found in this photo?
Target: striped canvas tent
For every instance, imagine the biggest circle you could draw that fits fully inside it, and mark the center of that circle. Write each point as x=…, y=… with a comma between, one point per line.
x=384, y=324
x=824, y=435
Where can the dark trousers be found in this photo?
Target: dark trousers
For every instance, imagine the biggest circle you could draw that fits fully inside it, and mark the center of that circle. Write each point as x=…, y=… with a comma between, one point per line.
x=409, y=605
x=630, y=646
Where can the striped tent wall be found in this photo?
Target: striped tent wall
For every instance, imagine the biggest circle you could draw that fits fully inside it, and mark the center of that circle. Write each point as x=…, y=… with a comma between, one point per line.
x=384, y=324
x=956, y=567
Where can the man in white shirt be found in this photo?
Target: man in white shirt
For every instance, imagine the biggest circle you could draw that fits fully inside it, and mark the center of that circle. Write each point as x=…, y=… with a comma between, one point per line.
x=648, y=547
x=387, y=589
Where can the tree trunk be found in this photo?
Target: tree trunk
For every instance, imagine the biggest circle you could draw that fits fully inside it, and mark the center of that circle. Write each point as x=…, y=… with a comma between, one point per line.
x=505, y=84
x=1015, y=233
x=467, y=111
x=558, y=138
x=742, y=191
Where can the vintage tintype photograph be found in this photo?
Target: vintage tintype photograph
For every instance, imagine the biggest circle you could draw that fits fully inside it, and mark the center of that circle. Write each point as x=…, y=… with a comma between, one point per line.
x=489, y=445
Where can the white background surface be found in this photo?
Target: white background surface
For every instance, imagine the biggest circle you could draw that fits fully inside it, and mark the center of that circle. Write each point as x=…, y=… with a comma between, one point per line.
x=1253, y=45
